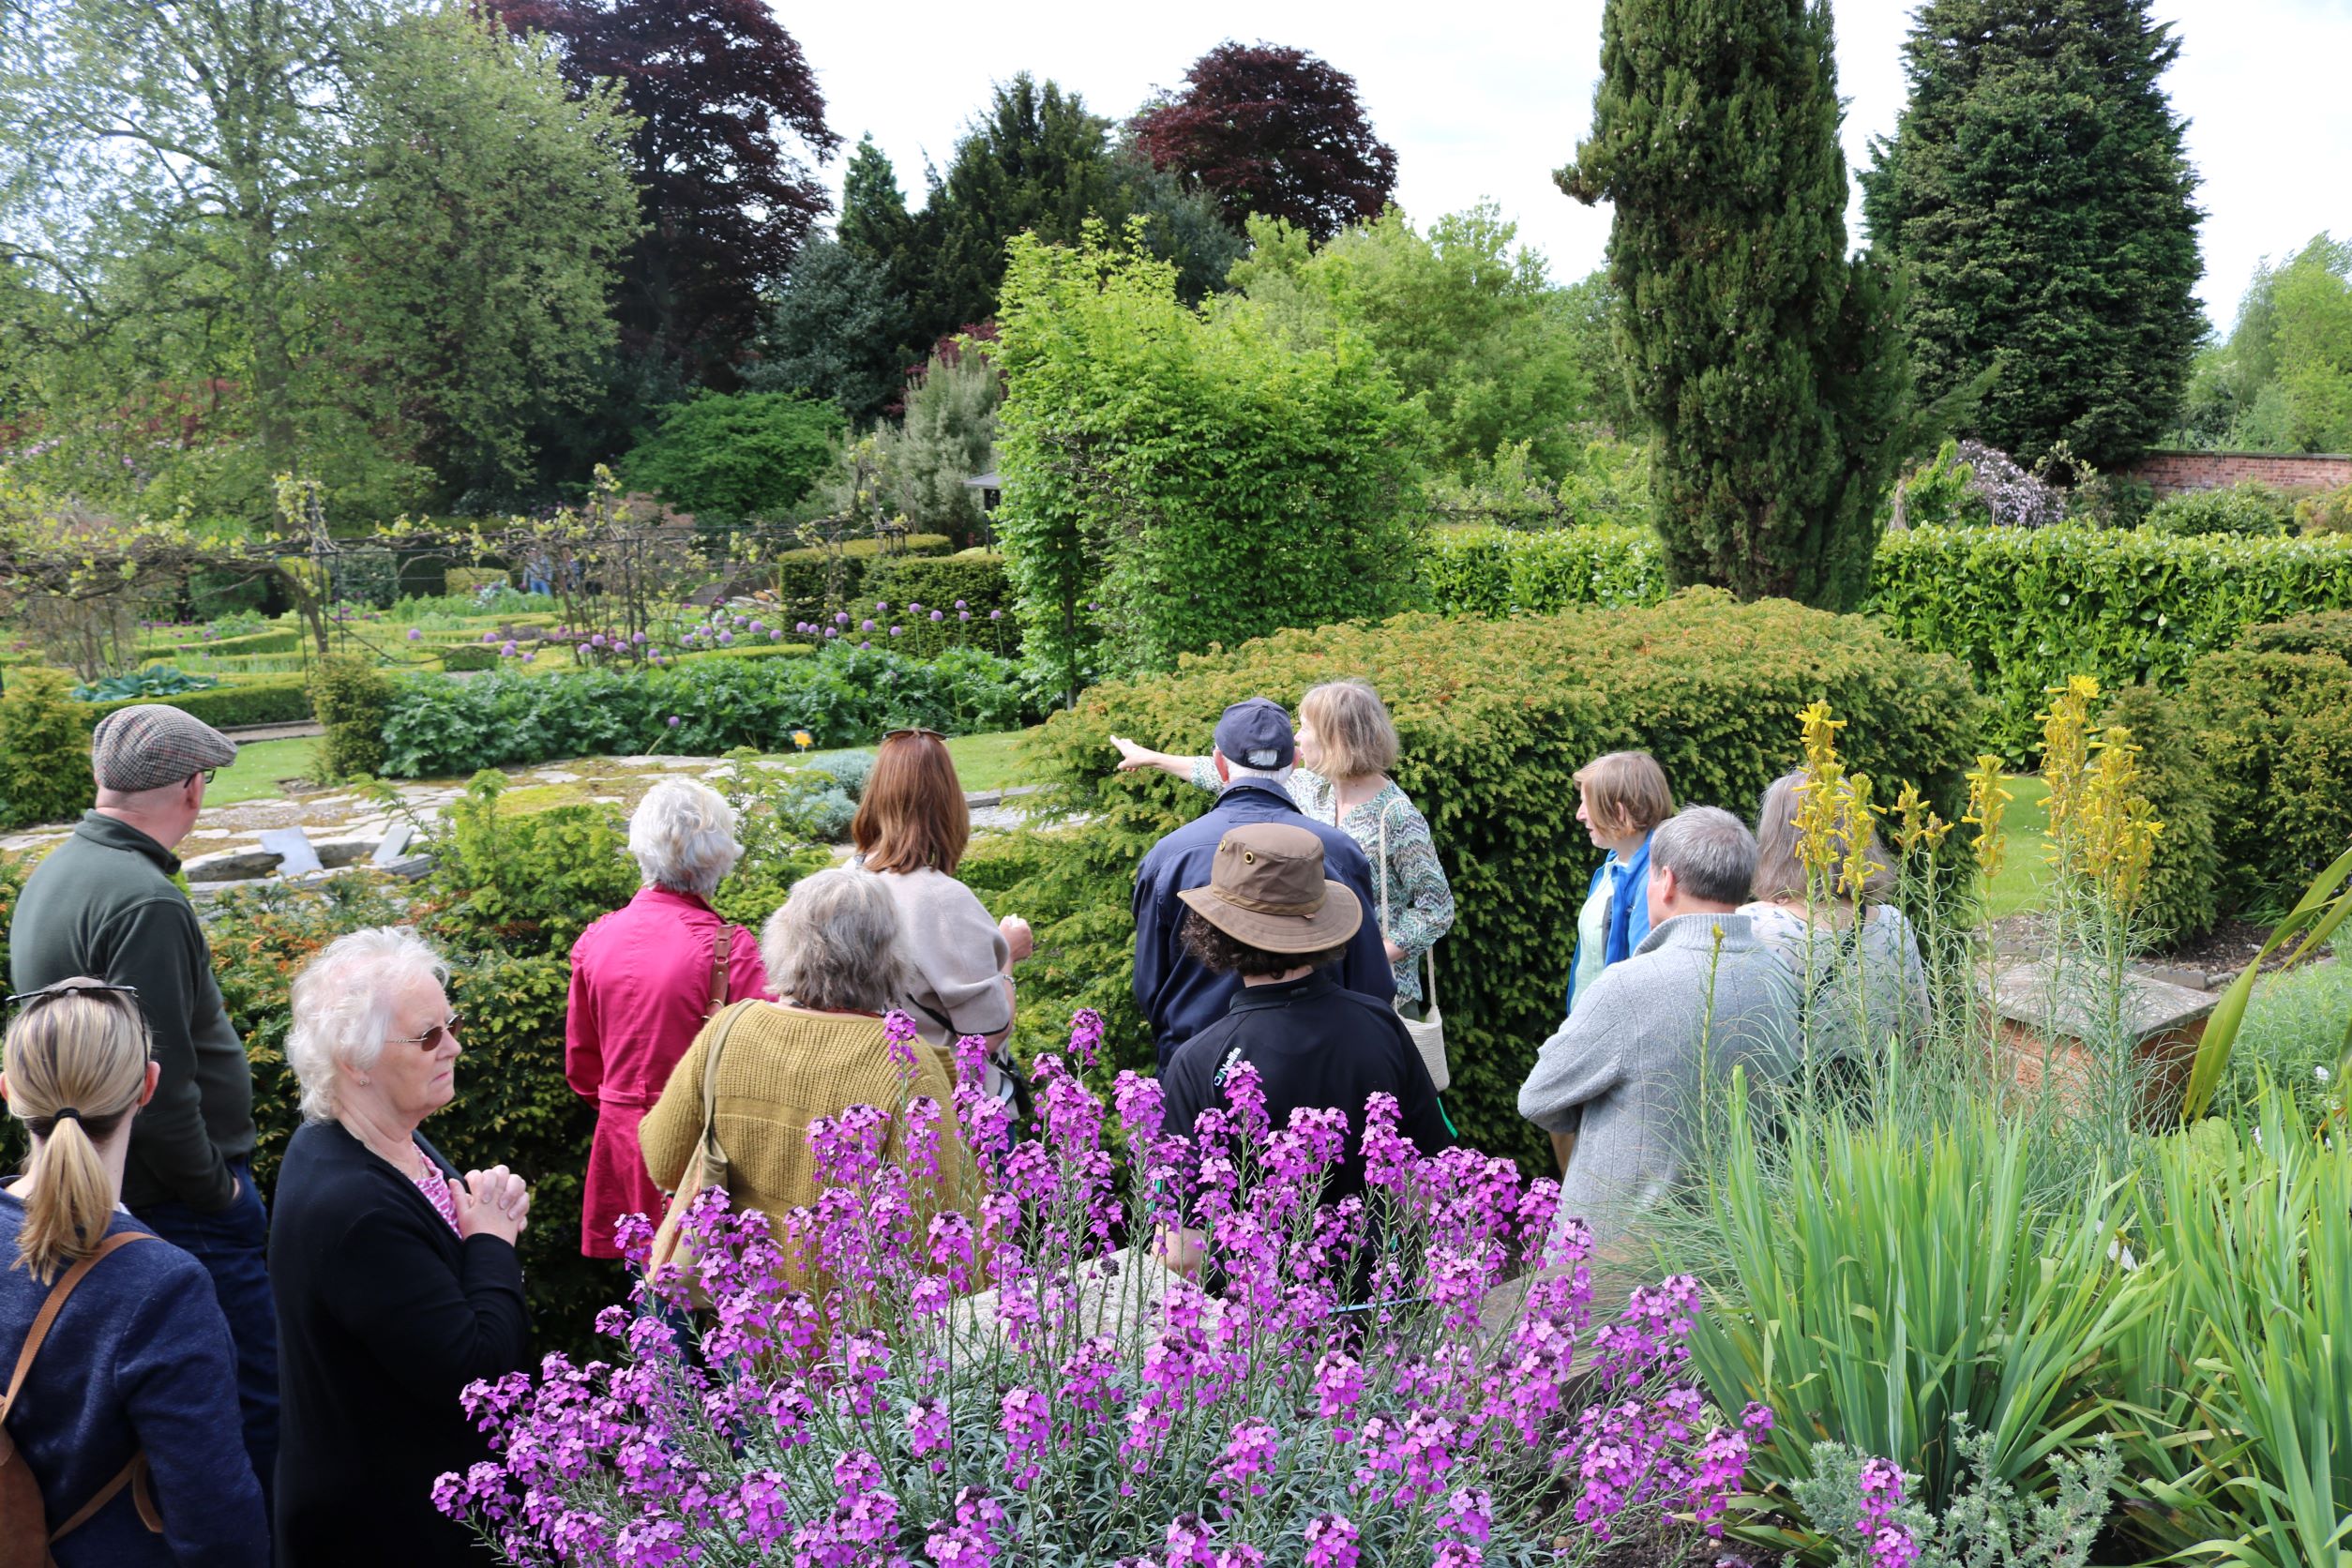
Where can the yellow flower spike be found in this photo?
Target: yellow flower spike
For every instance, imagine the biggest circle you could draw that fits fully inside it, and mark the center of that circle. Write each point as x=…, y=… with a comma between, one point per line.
x=1855, y=866
x=1988, y=803
x=2065, y=758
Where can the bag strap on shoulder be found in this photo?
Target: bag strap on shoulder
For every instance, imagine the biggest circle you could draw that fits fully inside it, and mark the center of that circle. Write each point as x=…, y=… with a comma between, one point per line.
x=720, y=950
x=55, y=1304
x=726, y=1021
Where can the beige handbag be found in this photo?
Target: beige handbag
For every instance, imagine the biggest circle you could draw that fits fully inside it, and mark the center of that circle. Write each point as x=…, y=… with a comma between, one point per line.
x=1427, y=1032
x=707, y=1168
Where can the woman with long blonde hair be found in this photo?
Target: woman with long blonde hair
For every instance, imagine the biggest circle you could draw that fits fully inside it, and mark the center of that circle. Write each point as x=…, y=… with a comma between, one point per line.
x=123, y=1381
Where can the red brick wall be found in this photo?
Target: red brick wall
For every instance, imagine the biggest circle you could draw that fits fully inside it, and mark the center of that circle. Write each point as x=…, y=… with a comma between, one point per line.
x=2171, y=473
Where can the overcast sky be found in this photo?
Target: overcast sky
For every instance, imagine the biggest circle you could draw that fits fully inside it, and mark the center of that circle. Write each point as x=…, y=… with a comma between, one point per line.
x=1487, y=100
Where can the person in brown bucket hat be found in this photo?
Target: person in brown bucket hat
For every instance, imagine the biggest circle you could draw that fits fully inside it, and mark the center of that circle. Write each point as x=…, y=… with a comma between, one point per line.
x=1271, y=917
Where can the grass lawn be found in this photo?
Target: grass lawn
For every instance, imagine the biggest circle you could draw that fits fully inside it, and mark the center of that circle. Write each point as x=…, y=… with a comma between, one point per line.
x=2023, y=869
x=982, y=762
x=258, y=766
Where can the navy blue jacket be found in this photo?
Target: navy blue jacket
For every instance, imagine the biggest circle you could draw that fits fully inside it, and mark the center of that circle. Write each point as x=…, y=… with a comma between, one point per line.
x=1177, y=996
x=140, y=1358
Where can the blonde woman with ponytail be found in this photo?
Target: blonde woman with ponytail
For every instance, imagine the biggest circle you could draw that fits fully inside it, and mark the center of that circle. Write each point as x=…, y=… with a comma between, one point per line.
x=123, y=1410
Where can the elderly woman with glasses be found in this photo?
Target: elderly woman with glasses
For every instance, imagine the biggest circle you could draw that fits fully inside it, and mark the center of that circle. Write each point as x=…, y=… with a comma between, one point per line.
x=645, y=979
x=397, y=1279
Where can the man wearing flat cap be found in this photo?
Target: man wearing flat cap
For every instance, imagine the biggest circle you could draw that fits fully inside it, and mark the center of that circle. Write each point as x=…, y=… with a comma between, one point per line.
x=104, y=903
x=1178, y=997
x=1270, y=918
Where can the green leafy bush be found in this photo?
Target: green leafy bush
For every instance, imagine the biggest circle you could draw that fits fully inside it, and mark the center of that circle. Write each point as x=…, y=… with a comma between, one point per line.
x=149, y=683
x=2330, y=512
x=351, y=697
x=1496, y=716
x=1894, y=1290
x=268, y=699
x=2276, y=730
x=726, y=458
x=2026, y=608
x=2182, y=897
x=2250, y=509
x=702, y=707
x=1176, y=478
x=1485, y=570
x=462, y=657
x=44, y=750
x=2324, y=631
x=975, y=579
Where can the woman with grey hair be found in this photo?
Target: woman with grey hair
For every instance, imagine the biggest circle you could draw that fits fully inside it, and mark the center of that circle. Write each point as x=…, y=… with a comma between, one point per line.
x=396, y=1278
x=645, y=979
x=832, y=954
x=1862, y=981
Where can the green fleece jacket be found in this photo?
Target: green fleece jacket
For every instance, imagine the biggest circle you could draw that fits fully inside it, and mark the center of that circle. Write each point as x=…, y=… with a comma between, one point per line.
x=104, y=903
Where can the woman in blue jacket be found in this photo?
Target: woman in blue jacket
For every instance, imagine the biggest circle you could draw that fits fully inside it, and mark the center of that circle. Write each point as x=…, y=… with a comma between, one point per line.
x=126, y=1414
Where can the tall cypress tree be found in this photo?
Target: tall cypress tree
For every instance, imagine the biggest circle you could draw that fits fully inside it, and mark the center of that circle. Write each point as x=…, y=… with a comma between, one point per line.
x=1767, y=363
x=2038, y=195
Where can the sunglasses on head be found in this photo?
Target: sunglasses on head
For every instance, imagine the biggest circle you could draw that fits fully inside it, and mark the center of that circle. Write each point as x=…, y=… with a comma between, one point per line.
x=890, y=735
x=31, y=998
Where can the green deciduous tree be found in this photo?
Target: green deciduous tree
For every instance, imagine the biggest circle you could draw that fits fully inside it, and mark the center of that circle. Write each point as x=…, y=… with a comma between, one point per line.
x=2037, y=191
x=1465, y=321
x=1175, y=477
x=726, y=456
x=1767, y=364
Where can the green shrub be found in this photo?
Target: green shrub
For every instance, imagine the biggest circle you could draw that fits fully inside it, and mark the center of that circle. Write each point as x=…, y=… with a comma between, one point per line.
x=1485, y=570
x=2276, y=730
x=804, y=579
x=2324, y=631
x=975, y=578
x=1892, y=1290
x=1496, y=716
x=44, y=750
x=2330, y=512
x=282, y=640
x=151, y=683
x=266, y=700
x=704, y=706
x=464, y=657
x=467, y=581
x=2026, y=608
x=351, y=697
x=1176, y=478
x=2182, y=897
x=726, y=457
x=2250, y=509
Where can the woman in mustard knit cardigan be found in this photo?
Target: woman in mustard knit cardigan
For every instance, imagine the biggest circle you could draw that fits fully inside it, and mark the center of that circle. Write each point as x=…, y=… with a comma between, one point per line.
x=831, y=955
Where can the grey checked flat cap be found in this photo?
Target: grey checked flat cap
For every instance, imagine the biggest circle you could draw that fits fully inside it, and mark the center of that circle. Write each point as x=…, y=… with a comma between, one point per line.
x=149, y=745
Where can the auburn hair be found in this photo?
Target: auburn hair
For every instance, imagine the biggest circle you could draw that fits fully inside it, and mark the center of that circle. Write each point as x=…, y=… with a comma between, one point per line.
x=912, y=813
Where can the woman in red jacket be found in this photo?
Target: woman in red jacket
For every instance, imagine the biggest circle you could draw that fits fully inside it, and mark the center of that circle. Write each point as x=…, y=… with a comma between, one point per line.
x=643, y=979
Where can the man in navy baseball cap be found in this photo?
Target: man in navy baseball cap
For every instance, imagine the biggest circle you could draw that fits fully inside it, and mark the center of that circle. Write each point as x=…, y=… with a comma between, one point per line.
x=1179, y=996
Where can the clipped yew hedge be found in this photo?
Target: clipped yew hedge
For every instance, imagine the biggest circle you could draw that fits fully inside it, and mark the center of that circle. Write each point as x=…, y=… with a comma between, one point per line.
x=1496, y=717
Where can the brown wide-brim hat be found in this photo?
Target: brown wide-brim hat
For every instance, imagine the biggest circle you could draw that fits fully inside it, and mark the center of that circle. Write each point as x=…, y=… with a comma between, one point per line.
x=1267, y=888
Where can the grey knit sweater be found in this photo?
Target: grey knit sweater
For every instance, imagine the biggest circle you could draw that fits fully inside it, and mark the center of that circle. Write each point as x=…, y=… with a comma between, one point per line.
x=1649, y=1051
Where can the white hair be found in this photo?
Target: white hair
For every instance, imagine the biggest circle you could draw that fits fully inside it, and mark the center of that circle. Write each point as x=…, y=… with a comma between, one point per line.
x=682, y=834
x=342, y=1007
x=1236, y=769
x=833, y=944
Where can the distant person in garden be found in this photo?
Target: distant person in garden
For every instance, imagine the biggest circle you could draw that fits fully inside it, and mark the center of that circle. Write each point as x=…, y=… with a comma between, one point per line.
x=1347, y=743
x=397, y=1280
x=104, y=903
x=1862, y=981
x=127, y=1403
x=645, y=978
x=833, y=956
x=1654, y=1038
x=1270, y=918
x=911, y=830
x=1178, y=995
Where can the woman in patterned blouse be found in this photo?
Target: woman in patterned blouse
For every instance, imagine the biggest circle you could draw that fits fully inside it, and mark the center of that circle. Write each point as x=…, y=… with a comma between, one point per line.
x=1347, y=743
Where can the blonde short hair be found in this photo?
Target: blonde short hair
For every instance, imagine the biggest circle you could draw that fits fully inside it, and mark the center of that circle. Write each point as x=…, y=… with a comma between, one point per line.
x=682, y=834
x=834, y=946
x=343, y=1005
x=1352, y=726
x=1626, y=786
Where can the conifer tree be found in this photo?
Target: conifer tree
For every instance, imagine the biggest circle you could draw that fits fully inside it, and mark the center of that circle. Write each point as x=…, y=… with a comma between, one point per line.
x=2037, y=196
x=1767, y=363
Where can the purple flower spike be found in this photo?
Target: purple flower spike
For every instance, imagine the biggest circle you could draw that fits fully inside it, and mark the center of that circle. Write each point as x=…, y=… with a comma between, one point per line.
x=896, y=630
x=938, y=615
x=674, y=721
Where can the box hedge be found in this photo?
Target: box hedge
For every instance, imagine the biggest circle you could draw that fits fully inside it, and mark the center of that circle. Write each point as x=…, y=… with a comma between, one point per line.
x=803, y=577
x=1496, y=716
x=2183, y=893
x=268, y=699
x=281, y=639
x=2022, y=608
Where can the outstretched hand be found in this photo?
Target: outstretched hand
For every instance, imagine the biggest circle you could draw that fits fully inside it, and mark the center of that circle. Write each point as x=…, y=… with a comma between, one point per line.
x=1132, y=756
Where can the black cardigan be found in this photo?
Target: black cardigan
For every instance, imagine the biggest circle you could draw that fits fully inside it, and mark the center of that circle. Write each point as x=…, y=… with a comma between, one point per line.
x=383, y=1315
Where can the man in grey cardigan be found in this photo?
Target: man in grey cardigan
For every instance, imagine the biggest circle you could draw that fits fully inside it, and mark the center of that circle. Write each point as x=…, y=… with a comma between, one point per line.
x=1653, y=1045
